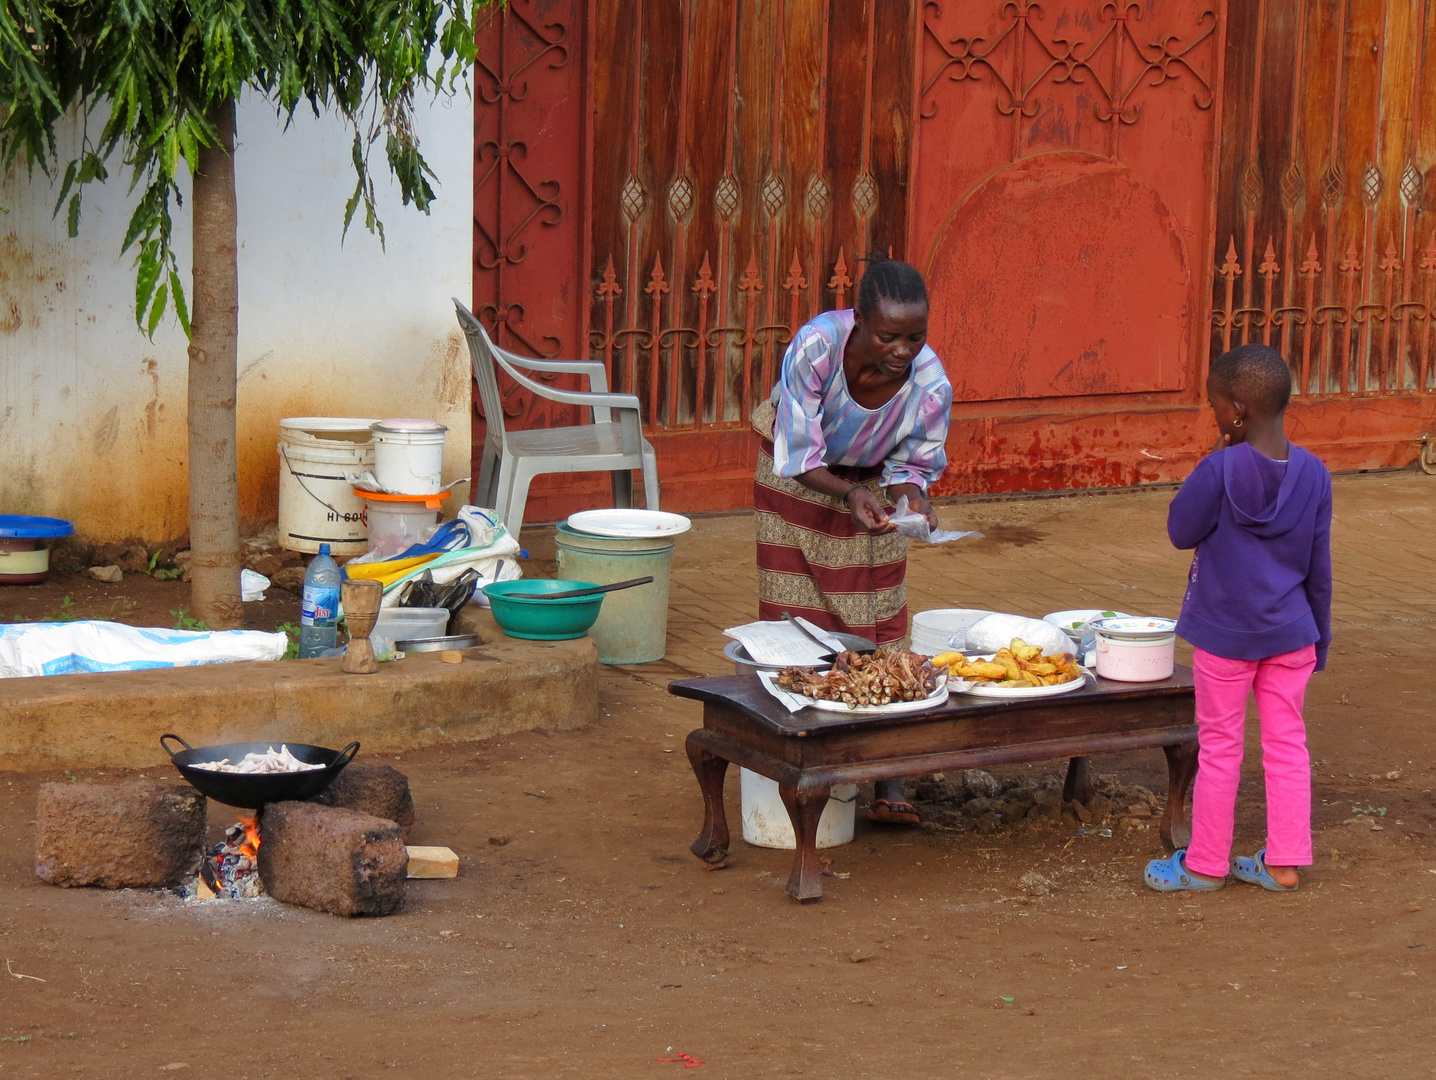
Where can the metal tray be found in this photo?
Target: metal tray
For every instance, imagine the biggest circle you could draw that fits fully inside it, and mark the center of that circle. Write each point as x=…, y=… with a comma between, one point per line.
x=437, y=644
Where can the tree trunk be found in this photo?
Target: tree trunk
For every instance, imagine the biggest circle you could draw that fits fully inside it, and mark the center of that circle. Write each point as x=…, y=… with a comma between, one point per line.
x=213, y=365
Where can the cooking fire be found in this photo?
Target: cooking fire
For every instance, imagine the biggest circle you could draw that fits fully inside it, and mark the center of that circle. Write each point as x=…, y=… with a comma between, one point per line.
x=230, y=870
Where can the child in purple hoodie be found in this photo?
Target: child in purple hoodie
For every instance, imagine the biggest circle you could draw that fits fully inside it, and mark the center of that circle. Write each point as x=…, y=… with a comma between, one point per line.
x=1258, y=613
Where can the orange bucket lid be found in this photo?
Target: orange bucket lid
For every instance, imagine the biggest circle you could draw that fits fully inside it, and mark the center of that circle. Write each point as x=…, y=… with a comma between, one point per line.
x=431, y=502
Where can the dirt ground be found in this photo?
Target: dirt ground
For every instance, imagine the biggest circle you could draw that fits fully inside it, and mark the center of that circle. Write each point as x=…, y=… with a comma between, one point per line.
x=583, y=939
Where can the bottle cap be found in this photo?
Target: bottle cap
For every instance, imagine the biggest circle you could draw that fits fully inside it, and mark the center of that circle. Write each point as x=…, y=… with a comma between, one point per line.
x=324, y=549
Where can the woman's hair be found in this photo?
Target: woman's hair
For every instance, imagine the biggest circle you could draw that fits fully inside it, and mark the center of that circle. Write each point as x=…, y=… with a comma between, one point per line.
x=1256, y=375
x=889, y=279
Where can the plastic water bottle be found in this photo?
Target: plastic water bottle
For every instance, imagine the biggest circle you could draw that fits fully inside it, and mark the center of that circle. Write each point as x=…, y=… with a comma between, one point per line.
x=319, y=611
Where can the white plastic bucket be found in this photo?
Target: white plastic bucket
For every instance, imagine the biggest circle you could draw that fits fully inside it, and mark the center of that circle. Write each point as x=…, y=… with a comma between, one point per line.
x=409, y=456
x=766, y=822
x=317, y=505
x=394, y=526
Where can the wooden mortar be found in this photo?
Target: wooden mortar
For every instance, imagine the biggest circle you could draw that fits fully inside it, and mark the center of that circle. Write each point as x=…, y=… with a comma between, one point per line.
x=361, y=611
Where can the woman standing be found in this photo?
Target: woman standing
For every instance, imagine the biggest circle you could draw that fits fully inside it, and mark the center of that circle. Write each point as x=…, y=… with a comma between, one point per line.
x=858, y=419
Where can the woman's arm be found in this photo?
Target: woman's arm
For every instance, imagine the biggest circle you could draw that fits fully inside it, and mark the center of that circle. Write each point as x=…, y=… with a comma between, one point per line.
x=920, y=458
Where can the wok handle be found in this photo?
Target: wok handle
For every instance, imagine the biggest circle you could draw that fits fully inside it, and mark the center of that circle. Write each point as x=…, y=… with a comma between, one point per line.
x=177, y=739
x=345, y=756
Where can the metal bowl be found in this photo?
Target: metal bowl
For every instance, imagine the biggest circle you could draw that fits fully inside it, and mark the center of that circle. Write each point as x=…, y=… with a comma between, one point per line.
x=437, y=644
x=743, y=664
x=250, y=791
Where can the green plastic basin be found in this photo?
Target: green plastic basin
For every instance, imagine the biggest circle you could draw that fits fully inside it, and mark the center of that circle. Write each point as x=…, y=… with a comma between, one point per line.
x=521, y=612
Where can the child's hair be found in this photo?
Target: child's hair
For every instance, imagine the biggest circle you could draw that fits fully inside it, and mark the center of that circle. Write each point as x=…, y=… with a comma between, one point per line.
x=1255, y=375
x=890, y=279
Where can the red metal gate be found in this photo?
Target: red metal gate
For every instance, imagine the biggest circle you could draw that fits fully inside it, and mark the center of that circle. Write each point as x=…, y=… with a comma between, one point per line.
x=1101, y=192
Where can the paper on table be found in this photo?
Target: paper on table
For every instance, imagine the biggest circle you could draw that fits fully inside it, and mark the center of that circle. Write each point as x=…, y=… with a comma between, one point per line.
x=780, y=643
x=915, y=525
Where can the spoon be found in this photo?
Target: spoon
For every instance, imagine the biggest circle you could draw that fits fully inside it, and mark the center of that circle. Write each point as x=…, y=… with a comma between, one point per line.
x=592, y=590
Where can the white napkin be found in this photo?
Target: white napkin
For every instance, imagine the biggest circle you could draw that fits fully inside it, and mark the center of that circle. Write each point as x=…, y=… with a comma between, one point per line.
x=910, y=523
x=789, y=700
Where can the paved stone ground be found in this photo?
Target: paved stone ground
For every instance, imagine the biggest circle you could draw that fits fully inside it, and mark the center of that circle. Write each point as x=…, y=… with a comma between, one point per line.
x=1049, y=554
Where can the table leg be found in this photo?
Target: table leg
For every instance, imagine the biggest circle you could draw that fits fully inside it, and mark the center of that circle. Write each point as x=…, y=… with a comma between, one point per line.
x=1079, y=785
x=1181, y=767
x=805, y=802
x=712, y=842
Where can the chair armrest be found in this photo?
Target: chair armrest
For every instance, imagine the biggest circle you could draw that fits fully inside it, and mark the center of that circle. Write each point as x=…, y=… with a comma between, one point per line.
x=600, y=403
x=594, y=369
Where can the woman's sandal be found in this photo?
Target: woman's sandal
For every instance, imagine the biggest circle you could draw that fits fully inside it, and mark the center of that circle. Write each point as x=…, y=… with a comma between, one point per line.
x=893, y=812
x=1171, y=875
x=1253, y=871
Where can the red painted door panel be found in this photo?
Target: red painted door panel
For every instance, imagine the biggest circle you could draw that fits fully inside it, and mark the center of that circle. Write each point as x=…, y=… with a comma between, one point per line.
x=1061, y=193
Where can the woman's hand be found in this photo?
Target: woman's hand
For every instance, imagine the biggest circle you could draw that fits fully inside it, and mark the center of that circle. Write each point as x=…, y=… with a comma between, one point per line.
x=916, y=501
x=867, y=512
x=1223, y=441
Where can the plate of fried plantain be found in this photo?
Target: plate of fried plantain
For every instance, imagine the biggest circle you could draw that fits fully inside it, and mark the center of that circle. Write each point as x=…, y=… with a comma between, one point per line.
x=1019, y=671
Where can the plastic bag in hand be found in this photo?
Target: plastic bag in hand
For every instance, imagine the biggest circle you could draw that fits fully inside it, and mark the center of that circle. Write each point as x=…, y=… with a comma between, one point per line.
x=910, y=523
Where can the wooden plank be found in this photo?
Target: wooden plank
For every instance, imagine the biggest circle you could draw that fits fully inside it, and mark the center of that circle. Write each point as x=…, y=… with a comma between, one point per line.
x=432, y=862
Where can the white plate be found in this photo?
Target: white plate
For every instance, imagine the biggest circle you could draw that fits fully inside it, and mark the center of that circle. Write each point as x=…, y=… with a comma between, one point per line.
x=629, y=524
x=795, y=701
x=897, y=708
x=1022, y=693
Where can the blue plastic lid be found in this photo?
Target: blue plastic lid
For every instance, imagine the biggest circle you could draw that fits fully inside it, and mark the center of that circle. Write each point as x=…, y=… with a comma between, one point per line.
x=324, y=549
x=25, y=527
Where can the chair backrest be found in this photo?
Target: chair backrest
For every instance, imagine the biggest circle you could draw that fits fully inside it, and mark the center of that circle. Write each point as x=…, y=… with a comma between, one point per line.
x=485, y=370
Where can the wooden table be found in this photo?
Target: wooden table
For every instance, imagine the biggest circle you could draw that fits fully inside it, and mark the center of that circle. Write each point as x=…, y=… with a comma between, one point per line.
x=809, y=751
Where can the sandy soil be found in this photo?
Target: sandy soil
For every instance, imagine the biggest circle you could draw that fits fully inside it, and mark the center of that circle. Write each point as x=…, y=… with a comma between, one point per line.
x=582, y=939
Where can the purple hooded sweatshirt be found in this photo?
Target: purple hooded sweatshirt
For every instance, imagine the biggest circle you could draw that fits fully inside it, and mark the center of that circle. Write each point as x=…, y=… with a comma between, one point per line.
x=1260, y=582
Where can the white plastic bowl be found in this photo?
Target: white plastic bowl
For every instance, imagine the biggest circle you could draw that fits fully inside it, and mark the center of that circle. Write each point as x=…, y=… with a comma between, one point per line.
x=1073, y=622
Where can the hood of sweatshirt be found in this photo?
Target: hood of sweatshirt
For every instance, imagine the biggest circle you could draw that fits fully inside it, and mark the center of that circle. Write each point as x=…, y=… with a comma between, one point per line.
x=1247, y=473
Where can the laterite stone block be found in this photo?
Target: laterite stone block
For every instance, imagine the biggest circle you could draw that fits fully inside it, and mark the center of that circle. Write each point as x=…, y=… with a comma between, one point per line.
x=118, y=836
x=379, y=790
x=332, y=859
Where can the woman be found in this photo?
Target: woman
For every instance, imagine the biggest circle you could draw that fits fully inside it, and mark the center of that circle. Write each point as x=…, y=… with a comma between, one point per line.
x=858, y=419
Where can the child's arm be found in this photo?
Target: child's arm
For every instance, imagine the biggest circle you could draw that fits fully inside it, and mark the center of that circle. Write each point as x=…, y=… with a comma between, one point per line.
x=1318, y=578
x=1193, y=513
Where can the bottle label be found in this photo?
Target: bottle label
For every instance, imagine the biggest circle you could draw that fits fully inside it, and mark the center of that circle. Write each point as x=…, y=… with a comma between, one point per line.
x=320, y=606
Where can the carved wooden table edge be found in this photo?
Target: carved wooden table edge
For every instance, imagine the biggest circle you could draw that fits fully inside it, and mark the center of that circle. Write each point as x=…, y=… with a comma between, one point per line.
x=804, y=790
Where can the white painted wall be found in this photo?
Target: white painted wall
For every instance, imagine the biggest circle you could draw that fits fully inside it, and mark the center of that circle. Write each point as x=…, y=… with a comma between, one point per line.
x=92, y=413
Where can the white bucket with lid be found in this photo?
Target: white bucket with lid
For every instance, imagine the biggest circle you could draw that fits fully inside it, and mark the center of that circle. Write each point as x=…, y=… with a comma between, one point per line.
x=317, y=505
x=409, y=455
x=1135, y=649
x=766, y=822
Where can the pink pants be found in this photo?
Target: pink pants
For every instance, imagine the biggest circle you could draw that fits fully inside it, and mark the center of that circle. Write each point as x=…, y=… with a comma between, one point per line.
x=1222, y=689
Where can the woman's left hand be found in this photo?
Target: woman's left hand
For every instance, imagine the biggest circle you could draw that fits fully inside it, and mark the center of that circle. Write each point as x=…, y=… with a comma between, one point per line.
x=916, y=501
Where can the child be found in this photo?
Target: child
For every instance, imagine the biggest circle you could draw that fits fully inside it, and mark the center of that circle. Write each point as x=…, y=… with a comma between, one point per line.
x=1258, y=612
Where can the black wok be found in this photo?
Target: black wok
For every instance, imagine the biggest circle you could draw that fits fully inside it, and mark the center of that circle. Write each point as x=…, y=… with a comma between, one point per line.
x=251, y=791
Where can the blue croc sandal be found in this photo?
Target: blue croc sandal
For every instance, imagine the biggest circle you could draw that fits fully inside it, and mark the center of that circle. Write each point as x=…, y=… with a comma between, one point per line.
x=1253, y=870
x=1171, y=875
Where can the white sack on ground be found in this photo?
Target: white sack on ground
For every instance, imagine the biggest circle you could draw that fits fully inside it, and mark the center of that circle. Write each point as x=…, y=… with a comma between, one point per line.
x=29, y=649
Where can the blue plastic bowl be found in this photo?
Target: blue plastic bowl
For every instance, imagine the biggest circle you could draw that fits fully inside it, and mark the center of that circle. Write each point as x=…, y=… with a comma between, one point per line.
x=521, y=612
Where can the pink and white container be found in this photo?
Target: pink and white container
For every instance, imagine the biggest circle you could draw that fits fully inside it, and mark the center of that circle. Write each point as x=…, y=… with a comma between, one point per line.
x=1135, y=649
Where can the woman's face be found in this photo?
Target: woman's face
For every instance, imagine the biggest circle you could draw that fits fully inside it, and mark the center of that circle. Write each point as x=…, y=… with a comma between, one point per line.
x=892, y=335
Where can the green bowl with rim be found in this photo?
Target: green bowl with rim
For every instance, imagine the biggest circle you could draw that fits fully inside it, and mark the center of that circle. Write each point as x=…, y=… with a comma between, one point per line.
x=521, y=611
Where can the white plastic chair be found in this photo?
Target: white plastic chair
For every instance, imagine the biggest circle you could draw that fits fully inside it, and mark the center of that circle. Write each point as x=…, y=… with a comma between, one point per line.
x=511, y=459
